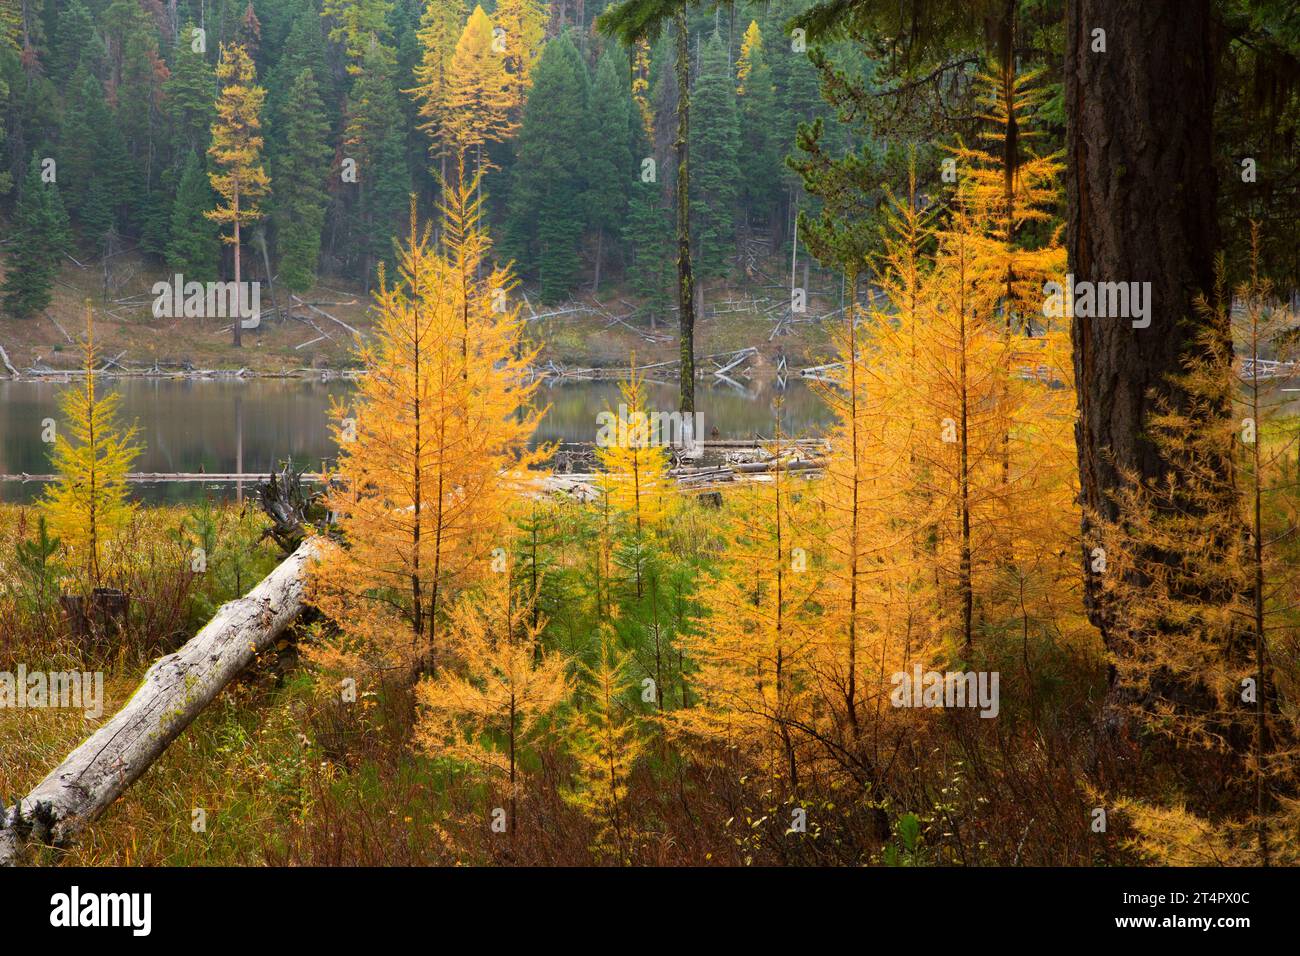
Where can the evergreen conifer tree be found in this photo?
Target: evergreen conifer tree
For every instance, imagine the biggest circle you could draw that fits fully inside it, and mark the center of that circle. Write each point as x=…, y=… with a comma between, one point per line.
x=41, y=237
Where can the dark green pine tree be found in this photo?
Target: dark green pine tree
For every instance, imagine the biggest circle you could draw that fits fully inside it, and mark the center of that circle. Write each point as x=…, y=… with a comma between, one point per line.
x=300, y=196
x=545, y=223
x=94, y=167
x=303, y=49
x=6, y=181
x=96, y=213
x=376, y=139
x=194, y=249
x=40, y=239
x=85, y=119
x=761, y=166
x=189, y=96
x=73, y=39
x=609, y=154
x=136, y=73
x=714, y=152
x=649, y=234
x=797, y=89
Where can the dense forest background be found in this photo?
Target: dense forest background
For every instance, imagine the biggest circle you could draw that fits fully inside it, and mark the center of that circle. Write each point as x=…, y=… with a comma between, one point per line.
x=366, y=102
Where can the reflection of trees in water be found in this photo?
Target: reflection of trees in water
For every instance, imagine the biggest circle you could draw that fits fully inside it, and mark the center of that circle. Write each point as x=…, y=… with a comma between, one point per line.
x=196, y=425
x=735, y=414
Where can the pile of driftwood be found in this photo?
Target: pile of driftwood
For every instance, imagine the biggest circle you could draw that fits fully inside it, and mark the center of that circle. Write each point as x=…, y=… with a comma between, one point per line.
x=659, y=373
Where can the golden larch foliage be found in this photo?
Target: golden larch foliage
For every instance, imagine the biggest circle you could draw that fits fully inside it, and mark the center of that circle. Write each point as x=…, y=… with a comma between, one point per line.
x=87, y=505
x=477, y=101
x=434, y=448
x=524, y=26
x=441, y=24
x=495, y=688
x=751, y=45
x=754, y=652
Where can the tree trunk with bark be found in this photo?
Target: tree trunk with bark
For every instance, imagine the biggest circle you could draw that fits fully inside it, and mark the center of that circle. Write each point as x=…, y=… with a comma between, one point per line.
x=1141, y=197
x=685, y=275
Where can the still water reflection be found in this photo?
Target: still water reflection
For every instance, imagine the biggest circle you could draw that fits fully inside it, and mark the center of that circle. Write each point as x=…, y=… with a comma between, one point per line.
x=220, y=426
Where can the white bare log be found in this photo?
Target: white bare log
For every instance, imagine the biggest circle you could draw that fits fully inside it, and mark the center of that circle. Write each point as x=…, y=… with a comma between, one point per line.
x=8, y=364
x=174, y=691
x=332, y=318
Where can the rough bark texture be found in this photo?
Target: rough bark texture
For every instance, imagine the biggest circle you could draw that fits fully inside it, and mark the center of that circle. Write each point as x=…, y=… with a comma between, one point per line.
x=174, y=691
x=1141, y=192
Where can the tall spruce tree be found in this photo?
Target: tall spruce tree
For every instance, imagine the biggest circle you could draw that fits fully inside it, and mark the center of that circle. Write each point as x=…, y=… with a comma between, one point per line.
x=303, y=49
x=609, y=155
x=73, y=33
x=545, y=220
x=376, y=139
x=301, y=171
x=194, y=249
x=715, y=150
x=85, y=120
x=649, y=234
x=41, y=238
x=189, y=94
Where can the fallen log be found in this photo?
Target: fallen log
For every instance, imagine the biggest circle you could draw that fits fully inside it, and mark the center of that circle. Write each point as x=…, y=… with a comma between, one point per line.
x=8, y=364
x=339, y=321
x=174, y=691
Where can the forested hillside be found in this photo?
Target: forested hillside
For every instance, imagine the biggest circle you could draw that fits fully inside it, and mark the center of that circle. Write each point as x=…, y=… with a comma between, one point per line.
x=115, y=124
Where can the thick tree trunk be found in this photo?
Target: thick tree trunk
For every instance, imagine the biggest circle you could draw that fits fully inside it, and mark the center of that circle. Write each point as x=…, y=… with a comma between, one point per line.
x=175, y=690
x=685, y=275
x=1141, y=191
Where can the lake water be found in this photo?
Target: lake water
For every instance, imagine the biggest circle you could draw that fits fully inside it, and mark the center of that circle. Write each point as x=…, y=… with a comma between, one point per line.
x=231, y=426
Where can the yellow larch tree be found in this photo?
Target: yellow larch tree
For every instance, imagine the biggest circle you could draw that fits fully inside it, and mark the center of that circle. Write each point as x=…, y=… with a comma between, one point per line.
x=496, y=687
x=440, y=27
x=433, y=449
x=750, y=45
x=236, y=150
x=1205, y=571
x=931, y=533
x=634, y=460
x=753, y=653
x=874, y=475
x=962, y=366
x=1009, y=188
x=87, y=505
x=477, y=103
x=466, y=245
x=523, y=26
x=641, y=87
